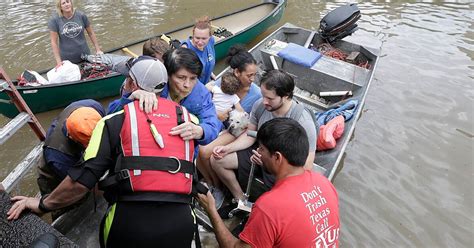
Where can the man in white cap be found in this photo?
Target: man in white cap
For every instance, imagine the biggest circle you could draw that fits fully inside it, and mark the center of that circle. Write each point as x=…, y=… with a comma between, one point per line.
x=146, y=74
x=183, y=67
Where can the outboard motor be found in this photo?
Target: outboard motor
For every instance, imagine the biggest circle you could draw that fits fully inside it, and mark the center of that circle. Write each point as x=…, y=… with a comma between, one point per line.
x=339, y=23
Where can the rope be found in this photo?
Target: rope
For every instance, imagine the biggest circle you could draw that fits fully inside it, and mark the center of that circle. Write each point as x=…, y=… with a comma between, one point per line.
x=328, y=50
x=94, y=70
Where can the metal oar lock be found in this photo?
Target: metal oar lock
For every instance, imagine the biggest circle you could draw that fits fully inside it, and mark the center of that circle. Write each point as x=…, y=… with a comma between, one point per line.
x=245, y=204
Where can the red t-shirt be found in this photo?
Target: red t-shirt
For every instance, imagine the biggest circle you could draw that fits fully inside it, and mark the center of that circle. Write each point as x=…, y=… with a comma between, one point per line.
x=299, y=211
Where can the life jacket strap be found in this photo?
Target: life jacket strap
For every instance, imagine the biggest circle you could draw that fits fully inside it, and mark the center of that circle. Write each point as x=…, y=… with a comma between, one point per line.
x=155, y=196
x=170, y=164
x=114, y=180
x=180, y=115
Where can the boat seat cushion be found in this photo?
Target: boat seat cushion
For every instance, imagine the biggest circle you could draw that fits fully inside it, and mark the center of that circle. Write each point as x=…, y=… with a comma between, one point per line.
x=299, y=55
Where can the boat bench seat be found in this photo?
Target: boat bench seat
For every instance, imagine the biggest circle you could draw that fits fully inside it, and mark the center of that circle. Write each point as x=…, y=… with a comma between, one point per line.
x=327, y=74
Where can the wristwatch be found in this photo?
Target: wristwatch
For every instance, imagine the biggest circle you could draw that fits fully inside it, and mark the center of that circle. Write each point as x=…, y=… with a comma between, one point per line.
x=41, y=205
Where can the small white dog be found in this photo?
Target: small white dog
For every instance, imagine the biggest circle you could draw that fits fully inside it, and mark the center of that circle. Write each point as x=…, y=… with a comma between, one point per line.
x=238, y=122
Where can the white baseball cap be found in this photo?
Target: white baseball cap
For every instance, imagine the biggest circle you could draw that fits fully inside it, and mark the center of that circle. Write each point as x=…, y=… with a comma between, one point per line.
x=149, y=74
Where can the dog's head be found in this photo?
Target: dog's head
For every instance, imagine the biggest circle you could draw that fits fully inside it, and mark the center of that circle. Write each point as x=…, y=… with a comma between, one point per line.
x=238, y=122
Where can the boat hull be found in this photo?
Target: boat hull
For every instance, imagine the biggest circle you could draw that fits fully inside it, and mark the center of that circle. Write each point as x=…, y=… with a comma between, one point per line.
x=326, y=75
x=46, y=98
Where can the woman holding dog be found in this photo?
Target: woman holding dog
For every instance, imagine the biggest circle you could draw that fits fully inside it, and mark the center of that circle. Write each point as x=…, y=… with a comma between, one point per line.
x=244, y=68
x=67, y=33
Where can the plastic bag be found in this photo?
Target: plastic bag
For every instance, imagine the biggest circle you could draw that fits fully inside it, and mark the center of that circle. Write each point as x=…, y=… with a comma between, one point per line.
x=31, y=78
x=39, y=78
x=68, y=72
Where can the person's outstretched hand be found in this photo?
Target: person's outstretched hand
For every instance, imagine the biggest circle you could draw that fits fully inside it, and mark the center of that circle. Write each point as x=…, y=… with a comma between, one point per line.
x=21, y=204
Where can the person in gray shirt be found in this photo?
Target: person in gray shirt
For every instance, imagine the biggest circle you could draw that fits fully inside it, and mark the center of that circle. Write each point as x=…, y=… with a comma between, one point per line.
x=277, y=101
x=67, y=33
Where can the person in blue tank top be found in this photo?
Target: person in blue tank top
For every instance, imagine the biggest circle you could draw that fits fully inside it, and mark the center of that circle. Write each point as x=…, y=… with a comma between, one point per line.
x=202, y=43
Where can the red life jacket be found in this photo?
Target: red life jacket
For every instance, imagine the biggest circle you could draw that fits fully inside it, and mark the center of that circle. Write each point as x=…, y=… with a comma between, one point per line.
x=146, y=171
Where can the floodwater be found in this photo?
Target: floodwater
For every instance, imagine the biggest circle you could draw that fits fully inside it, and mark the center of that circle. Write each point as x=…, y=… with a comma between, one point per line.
x=407, y=177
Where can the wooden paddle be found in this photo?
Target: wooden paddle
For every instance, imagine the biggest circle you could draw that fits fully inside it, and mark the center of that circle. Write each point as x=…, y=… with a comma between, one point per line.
x=165, y=38
x=127, y=51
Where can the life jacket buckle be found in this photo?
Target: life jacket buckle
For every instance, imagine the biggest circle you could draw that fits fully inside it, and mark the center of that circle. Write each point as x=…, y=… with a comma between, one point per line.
x=123, y=174
x=179, y=165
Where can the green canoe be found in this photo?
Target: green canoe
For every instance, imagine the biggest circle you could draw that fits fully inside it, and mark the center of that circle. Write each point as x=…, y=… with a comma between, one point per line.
x=245, y=25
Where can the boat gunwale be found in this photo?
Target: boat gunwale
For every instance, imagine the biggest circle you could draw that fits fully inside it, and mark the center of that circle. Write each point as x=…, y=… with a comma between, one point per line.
x=355, y=120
